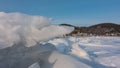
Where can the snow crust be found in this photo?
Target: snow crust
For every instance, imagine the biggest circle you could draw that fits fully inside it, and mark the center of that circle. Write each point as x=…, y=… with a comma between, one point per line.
x=22, y=46
x=18, y=27
x=97, y=52
x=35, y=65
x=65, y=61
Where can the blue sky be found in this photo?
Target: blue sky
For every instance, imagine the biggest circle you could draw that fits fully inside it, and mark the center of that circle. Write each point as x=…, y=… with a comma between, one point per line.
x=76, y=12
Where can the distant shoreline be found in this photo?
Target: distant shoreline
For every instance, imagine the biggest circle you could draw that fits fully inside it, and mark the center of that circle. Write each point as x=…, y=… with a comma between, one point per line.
x=103, y=29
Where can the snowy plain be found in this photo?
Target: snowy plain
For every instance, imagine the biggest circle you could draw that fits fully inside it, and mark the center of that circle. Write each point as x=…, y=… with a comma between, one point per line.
x=30, y=42
x=96, y=52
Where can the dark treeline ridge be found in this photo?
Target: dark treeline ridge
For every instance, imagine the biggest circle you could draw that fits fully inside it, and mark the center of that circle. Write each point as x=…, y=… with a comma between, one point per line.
x=103, y=29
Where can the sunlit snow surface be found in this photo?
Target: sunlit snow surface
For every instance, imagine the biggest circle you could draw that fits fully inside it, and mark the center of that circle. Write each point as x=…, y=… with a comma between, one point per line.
x=24, y=44
x=97, y=52
x=18, y=27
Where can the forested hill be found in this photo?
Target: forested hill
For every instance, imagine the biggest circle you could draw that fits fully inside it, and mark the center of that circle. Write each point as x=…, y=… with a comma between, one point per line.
x=103, y=29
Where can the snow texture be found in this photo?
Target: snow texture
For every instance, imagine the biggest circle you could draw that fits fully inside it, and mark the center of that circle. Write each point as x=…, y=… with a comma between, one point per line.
x=35, y=65
x=18, y=27
x=30, y=42
x=97, y=52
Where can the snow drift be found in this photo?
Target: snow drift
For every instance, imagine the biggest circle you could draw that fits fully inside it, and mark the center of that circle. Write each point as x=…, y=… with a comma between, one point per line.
x=96, y=52
x=18, y=27
x=21, y=45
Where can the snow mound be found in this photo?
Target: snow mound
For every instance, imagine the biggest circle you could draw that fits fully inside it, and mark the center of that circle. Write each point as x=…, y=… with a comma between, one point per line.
x=71, y=52
x=69, y=46
x=65, y=61
x=77, y=51
x=18, y=27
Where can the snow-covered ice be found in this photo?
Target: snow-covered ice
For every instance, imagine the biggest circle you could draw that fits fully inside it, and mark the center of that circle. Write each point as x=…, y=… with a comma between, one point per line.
x=32, y=42
x=97, y=52
x=18, y=27
x=35, y=65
